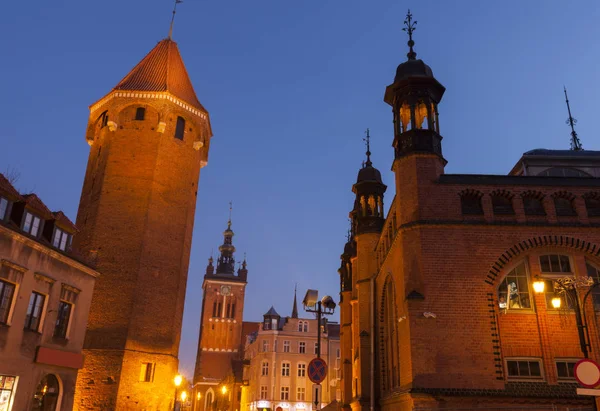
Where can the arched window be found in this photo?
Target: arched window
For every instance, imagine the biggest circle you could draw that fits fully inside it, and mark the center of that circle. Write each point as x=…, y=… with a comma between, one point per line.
x=470, y=202
x=563, y=203
x=405, y=120
x=208, y=405
x=47, y=394
x=180, y=128
x=421, y=115
x=300, y=324
x=513, y=291
x=592, y=204
x=563, y=172
x=502, y=203
x=305, y=327
x=532, y=203
x=390, y=362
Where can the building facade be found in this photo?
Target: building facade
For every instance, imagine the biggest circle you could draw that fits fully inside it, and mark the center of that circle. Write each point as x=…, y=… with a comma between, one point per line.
x=438, y=304
x=277, y=358
x=45, y=297
x=149, y=137
x=218, y=371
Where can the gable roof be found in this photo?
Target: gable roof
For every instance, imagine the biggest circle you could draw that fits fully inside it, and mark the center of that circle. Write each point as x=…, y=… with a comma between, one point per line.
x=162, y=70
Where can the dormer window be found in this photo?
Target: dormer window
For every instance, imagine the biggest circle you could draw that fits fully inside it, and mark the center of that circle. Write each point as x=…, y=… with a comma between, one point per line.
x=3, y=208
x=61, y=240
x=31, y=224
x=140, y=113
x=179, y=128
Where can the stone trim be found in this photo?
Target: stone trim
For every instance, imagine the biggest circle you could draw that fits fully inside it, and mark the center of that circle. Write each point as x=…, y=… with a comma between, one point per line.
x=13, y=265
x=43, y=277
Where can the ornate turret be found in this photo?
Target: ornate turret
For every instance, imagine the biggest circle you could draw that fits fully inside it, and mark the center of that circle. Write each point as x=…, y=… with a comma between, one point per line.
x=367, y=215
x=210, y=268
x=271, y=319
x=414, y=96
x=226, y=262
x=243, y=271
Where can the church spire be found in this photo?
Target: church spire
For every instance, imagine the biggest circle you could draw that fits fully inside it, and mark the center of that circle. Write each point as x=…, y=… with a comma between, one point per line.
x=575, y=143
x=226, y=262
x=295, y=307
x=367, y=141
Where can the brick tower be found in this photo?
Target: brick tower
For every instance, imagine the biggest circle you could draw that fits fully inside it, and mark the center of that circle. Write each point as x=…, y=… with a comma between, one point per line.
x=220, y=346
x=149, y=138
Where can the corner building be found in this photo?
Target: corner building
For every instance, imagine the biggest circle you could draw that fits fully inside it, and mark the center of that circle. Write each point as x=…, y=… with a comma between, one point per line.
x=149, y=137
x=438, y=308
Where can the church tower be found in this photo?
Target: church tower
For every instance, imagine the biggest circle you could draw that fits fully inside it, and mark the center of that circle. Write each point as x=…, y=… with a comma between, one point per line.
x=149, y=137
x=220, y=345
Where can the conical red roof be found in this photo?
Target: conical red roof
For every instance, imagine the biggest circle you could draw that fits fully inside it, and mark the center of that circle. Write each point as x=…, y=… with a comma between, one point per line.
x=162, y=70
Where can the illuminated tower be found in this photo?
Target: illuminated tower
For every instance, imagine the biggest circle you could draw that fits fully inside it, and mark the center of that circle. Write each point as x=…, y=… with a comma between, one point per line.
x=220, y=344
x=149, y=138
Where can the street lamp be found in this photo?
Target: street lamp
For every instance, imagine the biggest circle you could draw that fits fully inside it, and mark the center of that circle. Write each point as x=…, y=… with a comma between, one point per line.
x=177, y=381
x=183, y=396
x=538, y=284
x=569, y=287
x=326, y=306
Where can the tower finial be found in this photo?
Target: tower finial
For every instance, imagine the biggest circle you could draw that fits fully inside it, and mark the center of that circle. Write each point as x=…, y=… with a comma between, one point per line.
x=575, y=143
x=173, y=18
x=410, y=28
x=230, y=208
x=367, y=141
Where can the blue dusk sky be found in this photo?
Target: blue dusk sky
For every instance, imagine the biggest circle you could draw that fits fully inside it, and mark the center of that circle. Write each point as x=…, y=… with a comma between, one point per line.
x=291, y=87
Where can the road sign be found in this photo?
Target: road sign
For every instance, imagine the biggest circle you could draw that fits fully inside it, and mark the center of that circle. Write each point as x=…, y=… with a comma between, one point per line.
x=588, y=391
x=587, y=373
x=317, y=370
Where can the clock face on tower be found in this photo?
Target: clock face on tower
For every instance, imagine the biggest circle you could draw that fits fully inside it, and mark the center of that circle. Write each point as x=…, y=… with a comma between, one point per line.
x=225, y=290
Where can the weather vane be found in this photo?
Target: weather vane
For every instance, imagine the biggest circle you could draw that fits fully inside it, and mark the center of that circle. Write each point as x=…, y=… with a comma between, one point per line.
x=575, y=143
x=367, y=141
x=410, y=28
x=173, y=18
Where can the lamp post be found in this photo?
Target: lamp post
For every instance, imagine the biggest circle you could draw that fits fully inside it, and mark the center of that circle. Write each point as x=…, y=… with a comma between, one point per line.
x=569, y=286
x=325, y=306
x=177, y=381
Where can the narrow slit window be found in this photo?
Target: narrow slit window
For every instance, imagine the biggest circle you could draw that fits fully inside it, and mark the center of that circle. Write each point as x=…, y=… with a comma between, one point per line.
x=140, y=113
x=180, y=128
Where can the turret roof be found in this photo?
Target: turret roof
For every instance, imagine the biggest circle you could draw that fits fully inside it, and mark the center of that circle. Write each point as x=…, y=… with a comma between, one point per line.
x=162, y=70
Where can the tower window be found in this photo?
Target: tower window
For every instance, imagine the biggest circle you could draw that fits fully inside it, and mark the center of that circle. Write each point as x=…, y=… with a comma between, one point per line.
x=140, y=113
x=104, y=119
x=180, y=128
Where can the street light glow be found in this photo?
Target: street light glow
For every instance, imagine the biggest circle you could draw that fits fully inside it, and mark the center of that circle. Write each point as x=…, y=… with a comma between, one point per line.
x=199, y=396
x=224, y=390
x=556, y=302
x=178, y=379
x=183, y=396
x=539, y=285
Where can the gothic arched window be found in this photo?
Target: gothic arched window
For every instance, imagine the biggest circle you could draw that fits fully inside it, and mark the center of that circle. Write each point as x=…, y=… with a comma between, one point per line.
x=514, y=291
x=390, y=351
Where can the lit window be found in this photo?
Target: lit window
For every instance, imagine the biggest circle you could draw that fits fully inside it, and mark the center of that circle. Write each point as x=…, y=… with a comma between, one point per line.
x=31, y=224
x=565, y=369
x=62, y=239
x=263, y=392
x=62, y=319
x=302, y=347
x=594, y=272
x=285, y=393
x=7, y=387
x=286, y=346
x=301, y=370
x=285, y=369
x=513, y=292
x=530, y=369
x=3, y=207
x=179, y=128
x=140, y=113
x=265, y=368
x=555, y=263
x=7, y=291
x=34, y=311
x=147, y=372
x=265, y=346
x=301, y=394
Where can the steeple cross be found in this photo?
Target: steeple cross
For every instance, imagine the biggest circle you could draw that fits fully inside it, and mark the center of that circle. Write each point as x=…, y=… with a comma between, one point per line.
x=410, y=28
x=367, y=141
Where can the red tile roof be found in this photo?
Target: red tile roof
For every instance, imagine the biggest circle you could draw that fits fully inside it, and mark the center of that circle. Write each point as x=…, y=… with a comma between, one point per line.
x=64, y=221
x=162, y=70
x=34, y=202
x=8, y=190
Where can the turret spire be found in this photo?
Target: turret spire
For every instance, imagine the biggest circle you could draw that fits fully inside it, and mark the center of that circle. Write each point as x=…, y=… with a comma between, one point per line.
x=367, y=141
x=410, y=28
x=295, y=307
x=226, y=262
x=575, y=143
x=173, y=18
